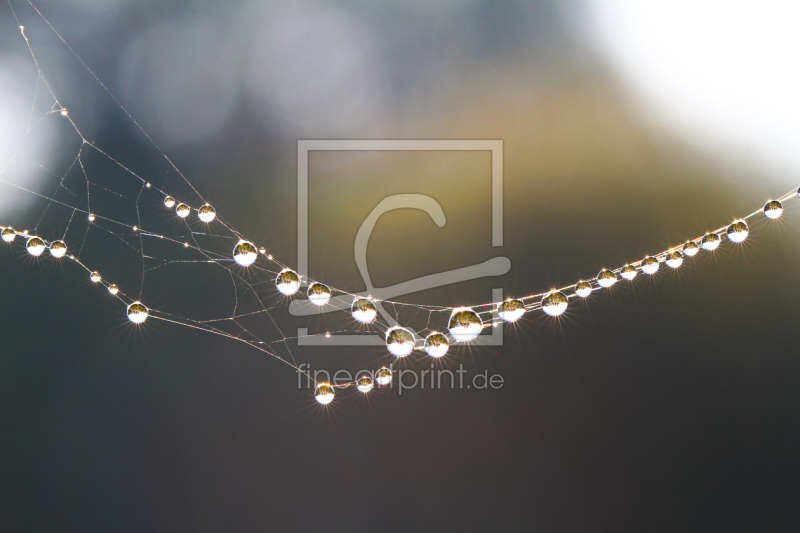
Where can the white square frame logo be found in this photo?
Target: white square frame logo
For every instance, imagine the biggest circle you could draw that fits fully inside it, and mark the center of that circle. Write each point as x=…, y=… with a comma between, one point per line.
x=304, y=146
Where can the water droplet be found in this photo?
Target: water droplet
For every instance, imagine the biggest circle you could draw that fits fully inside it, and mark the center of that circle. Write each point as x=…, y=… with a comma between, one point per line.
x=35, y=246
x=738, y=231
x=58, y=249
x=583, y=289
x=650, y=265
x=606, y=278
x=674, y=259
x=324, y=393
x=183, y=210
x=318, y=294
x=511, y=310
x=628, y=272
x=710, y=241
x=206, y=213
x=773, y=209
x=383, y=376
x=244, y=253
x=690, y=249
x=465, y=324
x=287, y=282
x=137, y=312
x=399, y=341
x=555, y=303
x=436, y=344
x=363, y=310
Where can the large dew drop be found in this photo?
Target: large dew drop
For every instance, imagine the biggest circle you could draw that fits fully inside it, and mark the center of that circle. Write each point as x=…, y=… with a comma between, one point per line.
x=738, y=231
x=58, y=249
x=324, y=393
x=206, y=213
x=465, y=324
x=35, y=246
x=245, y=253
x=690, y=249
x=363, y=310
x=650, y=265
x=319, y=294
x=710, y=242
x=436, y=344
x=399, y=341
x=773, y=209
x=674, y=259
x=511, y=310
x=583, y=289
x=287, y=282
x=555, y=303
x=606, y=278
x=137, y=312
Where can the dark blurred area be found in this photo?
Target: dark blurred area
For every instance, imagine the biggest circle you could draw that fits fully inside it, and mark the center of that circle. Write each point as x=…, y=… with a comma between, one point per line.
x=666, y=404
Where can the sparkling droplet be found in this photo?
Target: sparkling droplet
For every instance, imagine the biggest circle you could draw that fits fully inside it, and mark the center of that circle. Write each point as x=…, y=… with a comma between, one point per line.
x=147, y=185
x=399, y=341
x=690, y=249
x=511, y=310
x=710, y=241
x=244, y=253
x=364, y=383
x=206, y=213
x=674, y=259
x=555, y=303
x=628, y=272
x=35, y=246
x=465, y=324
x=436, y=344
x=137, y=312
x=113, y=289
x=58, y=249
x=606, y=278
x=318, y=294
x=136, y=228
x=169, y=201
x=183, y=210
x=95, y=277
x=64, y=112
x=287, y=282
x=773, y=209
x=262, y=250
x=363, y=310
x=91, y=217
x=583, y=289
x=9, y=235
x=650, y=265
x=383, y=376
x=738, y=231
x=324, y=393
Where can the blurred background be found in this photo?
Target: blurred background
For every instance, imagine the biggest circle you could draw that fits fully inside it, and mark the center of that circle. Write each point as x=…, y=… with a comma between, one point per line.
x=669, y=404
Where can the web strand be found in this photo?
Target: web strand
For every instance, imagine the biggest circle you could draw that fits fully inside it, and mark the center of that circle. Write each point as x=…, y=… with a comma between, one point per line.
x=164, y=231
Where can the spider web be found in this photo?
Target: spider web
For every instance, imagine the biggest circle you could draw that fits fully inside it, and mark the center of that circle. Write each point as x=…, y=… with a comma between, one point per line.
x=111, y=214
